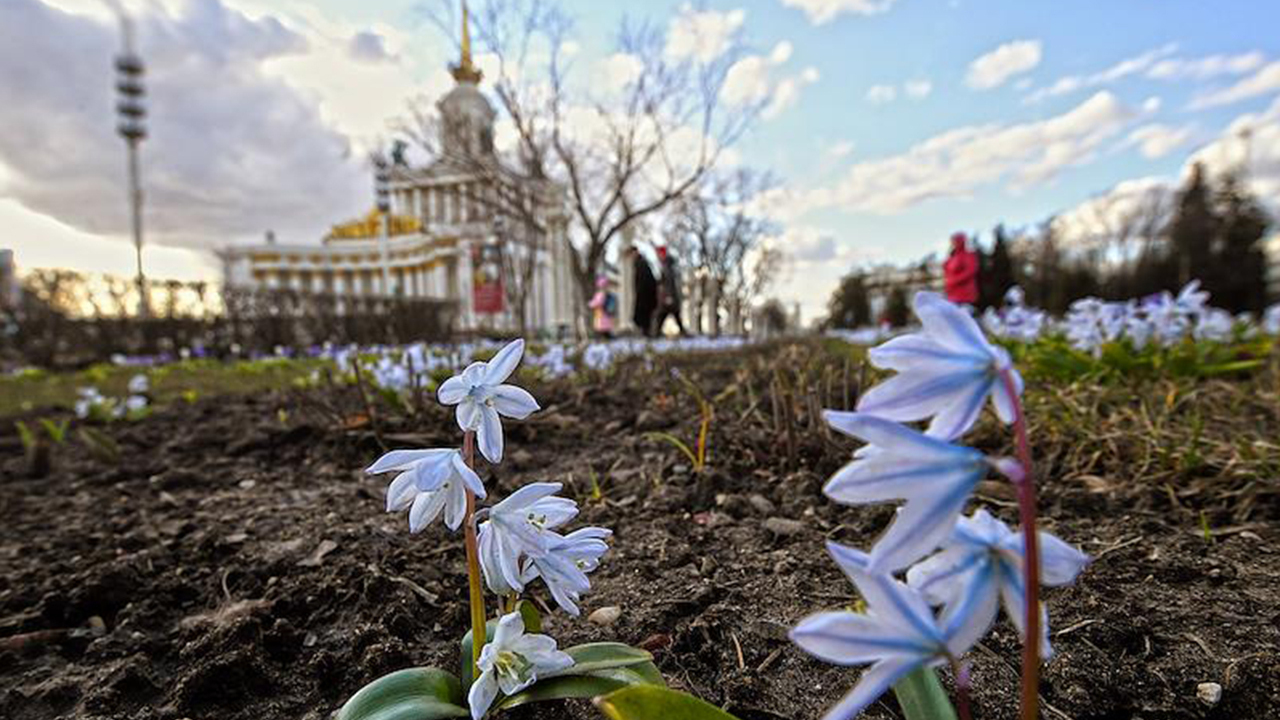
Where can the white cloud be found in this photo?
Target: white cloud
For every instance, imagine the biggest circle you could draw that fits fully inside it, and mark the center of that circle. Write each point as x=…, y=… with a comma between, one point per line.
x=369, y=46
x=1124, y=68
x=760, y=79
x=840, y=149
x=702, y=35
x=1157, y=140
x=917, y=89
x=1264, y=82
x=619, y=69
x=881, y=94
x=1206, y=67
x=958, y=162
x=994, y=68
x=822, y=11
x=781, y=53
x=232, y=150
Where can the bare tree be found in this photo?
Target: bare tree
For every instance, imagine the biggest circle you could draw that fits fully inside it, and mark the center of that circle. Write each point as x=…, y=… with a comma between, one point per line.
x=720, y=232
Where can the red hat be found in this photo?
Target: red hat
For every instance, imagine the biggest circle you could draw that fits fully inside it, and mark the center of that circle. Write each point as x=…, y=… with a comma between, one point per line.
x=662, y=252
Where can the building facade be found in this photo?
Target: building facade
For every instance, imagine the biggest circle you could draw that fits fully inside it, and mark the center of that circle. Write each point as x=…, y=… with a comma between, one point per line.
x=464, y=228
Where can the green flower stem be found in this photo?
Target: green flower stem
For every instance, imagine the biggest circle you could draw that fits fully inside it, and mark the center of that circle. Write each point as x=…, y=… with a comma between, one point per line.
x=473, y=561
x=1031, y=551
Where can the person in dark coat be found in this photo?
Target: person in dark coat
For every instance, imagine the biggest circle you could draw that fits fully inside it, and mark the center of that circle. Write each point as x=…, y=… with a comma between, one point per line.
x=668, y=293
x=646, y=289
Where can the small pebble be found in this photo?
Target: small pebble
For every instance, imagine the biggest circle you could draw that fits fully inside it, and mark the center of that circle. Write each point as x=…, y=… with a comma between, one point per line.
x=97, y=626
x=605, y=616
x=762, y=504
x=1209, y=693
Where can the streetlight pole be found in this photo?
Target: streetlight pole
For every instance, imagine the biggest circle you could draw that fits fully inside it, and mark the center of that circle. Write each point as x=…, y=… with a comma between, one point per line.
x=381, y=178
x=132, y=127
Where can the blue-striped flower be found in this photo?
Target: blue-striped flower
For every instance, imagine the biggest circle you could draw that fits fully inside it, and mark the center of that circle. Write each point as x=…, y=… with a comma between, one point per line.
x=945, y=372
x=984, y=559
x=566, y=563
x=520, y=526
x=481, y=397
x=897, y=634
x=428, y=482
x=934, y=477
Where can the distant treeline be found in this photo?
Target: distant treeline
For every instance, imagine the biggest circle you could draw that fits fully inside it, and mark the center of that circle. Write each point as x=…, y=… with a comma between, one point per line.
x=1208, y=231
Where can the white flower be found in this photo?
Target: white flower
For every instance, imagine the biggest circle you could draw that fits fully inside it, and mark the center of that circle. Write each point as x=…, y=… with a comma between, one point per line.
x=897, y=634
x=512, y=662
x=984, y=559
x=565, y=566
x=429, y=481
x=945, y=372
x=135, y=403
x=519, y=526
x=481, y=398
x=138, y=384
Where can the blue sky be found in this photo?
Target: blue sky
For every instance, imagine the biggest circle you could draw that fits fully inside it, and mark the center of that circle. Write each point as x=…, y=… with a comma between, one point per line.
x=907, y=119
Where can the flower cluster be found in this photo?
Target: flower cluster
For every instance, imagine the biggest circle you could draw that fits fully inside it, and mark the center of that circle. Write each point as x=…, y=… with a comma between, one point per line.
x=92, y=404
x=1163, y=319
x=946, y=373
x=518, y=541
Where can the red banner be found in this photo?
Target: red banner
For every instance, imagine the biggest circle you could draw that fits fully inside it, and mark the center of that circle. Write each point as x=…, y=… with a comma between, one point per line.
x=487, y=294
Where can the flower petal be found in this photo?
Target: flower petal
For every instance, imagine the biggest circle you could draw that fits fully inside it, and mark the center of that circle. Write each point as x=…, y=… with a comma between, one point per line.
x=873, y=683
x=425, y=509
x=1060, y=563
x=482, y=693
x=510, y=628
x=514, y=402
x=504, y=363
x=469, y=478
x=949, y=324
x=890, y=599
x=527, y=495
x=455, y=505
x=468, y=414
x=898, y=439
x=401, y=460
x=920, y=351
x=916, y=395
x=970, y=614
x=958, y=416
x=1002, y=401
x=923, y=523
x=846, y=638
x=452, y=391
x=489, y=434
x=401, y=492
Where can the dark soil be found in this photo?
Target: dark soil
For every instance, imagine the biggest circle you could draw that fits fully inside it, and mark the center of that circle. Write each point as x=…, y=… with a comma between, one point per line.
x=238, y=565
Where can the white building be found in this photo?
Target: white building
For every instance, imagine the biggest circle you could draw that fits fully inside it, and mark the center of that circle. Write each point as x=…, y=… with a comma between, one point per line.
x=443, y=237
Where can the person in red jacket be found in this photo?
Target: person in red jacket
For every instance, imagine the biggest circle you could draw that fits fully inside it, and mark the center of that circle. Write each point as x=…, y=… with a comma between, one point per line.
x=961, y=272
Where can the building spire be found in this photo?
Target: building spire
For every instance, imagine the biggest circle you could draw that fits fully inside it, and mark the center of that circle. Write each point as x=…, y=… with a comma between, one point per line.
x=465, y=71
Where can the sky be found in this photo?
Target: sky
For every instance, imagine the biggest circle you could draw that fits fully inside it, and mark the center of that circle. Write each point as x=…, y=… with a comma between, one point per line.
x=889, y=123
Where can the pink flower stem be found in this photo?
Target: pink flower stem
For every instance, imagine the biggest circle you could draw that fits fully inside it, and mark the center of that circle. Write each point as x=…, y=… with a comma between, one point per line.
x=961, y=671
x=1027, y=512
x=478, y=634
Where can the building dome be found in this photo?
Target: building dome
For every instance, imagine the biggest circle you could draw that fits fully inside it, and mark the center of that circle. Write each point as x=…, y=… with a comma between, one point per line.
x=467, y=117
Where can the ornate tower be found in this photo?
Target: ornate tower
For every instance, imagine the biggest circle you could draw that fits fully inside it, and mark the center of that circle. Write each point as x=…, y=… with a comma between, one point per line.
x=466, y=116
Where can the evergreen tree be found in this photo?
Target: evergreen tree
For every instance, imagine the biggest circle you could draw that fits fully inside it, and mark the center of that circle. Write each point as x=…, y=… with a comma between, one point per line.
x=1238, y=277
x=850, y=306
x=1192, y=231
x=997, y=276
x=896, y=310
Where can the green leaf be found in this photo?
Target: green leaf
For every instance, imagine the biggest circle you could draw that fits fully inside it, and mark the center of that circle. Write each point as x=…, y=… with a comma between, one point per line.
x=651, y=702
x=680, y=445
x=922, y=698
x=412, y=694
x=600, y=682
x=532, y=624
x=602, y=655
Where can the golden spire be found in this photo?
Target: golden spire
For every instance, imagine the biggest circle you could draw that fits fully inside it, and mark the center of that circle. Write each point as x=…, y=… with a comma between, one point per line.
x=465, y=71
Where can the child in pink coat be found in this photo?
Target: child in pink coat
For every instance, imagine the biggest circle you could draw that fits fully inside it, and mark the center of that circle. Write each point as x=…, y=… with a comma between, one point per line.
x=604, y=306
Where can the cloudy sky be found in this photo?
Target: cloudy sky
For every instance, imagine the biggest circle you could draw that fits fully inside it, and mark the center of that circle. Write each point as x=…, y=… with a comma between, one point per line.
x=891, y=122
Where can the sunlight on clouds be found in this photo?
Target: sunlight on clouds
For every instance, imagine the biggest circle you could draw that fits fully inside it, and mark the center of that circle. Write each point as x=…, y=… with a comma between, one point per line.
x=1264, y=82
x=756, y=78
x=1157, y=140
x=881, y=94
x=993, y=69
x=958, y=162
x=822, y=11
x=702, y=35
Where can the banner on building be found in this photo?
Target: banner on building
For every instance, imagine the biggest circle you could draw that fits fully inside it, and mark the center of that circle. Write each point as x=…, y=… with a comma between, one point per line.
x=487, y=294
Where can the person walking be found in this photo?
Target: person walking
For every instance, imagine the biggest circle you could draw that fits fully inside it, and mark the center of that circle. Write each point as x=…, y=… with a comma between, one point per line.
x=960, y=273
x=646, y=289
x=668, y=293
x=604, y=306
